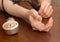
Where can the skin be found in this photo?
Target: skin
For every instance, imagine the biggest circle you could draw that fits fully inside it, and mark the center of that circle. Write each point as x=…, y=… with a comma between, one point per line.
x=32, y=16
x=46, y=8
x=36, y=22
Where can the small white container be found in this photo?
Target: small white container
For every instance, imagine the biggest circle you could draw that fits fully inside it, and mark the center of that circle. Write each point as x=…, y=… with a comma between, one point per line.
x=11, y=26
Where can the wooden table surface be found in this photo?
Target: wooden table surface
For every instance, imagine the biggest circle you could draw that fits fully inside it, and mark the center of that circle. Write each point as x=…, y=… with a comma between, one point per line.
x=26, y=34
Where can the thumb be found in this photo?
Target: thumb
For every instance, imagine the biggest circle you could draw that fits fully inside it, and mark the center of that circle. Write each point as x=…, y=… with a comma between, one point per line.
x=36, y=15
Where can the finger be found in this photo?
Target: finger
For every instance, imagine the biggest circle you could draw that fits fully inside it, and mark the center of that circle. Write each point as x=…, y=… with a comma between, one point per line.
x=46, y=7
x=46, y=30
x=50, y=10
x=36, y=15
x=43, y=11
x=50, y=23
x=50, y=13
x=43, y=5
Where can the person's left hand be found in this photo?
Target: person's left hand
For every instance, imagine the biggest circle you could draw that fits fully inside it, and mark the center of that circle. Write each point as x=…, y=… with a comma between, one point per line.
x=36, y=21
x=45, y=9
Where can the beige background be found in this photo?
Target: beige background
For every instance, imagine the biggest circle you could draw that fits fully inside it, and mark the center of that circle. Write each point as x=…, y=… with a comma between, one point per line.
x=56, y=2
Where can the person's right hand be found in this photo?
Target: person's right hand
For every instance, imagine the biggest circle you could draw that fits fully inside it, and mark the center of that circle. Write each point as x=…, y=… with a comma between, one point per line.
x=36, y=21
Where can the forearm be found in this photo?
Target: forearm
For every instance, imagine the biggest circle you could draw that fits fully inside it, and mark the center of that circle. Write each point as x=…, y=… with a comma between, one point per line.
x=40, y=1
x=15, y=10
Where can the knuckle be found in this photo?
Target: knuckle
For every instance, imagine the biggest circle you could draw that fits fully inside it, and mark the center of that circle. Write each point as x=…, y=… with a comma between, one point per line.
x=47, y=15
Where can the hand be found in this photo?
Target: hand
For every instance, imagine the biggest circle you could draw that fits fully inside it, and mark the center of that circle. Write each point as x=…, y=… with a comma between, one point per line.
x=45, y=9
x=38, y=25
x=36, y=22
x=49, y=24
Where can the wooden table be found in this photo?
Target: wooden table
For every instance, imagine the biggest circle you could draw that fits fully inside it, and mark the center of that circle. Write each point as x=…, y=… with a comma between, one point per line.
x=26, y=34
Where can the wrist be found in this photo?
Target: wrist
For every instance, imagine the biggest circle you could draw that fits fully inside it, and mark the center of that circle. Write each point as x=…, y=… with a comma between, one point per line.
x=26, y=16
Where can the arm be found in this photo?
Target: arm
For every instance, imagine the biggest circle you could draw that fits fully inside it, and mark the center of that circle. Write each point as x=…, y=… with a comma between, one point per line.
x=14, y=9
x=31, y=15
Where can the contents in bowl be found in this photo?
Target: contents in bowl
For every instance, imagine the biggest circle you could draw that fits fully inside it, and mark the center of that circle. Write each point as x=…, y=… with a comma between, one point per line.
x=10, y=24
